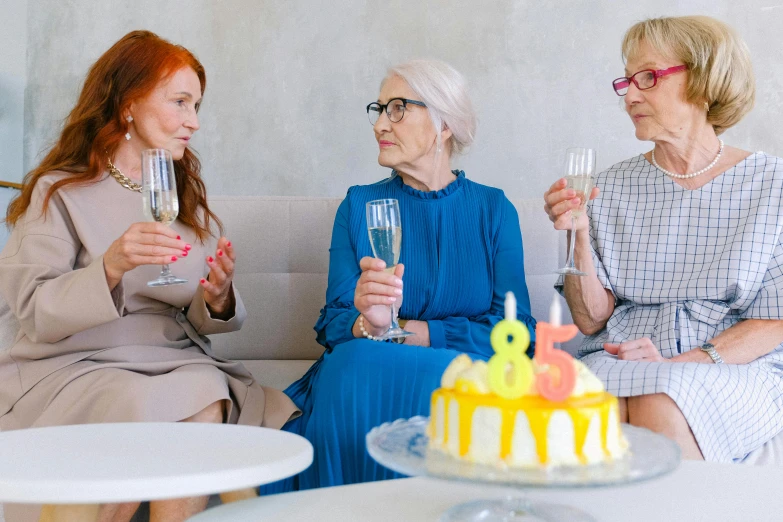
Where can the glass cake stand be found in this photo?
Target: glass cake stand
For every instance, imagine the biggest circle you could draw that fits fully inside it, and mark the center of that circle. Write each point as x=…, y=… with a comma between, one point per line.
x=402, y=447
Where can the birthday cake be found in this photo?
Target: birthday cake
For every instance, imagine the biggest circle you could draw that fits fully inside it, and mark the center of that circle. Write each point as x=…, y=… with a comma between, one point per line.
x=523, y=413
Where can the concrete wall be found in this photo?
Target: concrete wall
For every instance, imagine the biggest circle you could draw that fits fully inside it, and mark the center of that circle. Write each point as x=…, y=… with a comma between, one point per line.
x=13, y=76
x=288, y=81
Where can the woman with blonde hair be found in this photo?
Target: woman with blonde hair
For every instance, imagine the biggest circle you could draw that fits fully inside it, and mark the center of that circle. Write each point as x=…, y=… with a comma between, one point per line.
x=683, y=250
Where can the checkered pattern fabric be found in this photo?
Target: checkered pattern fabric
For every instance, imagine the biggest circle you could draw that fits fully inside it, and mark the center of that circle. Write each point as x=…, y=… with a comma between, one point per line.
x=684, y=265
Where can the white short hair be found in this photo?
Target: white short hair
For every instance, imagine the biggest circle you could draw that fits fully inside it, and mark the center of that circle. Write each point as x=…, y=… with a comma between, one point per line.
x=444, y=91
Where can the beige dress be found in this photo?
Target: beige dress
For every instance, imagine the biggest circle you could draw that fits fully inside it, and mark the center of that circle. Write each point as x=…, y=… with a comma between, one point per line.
x=85, y=354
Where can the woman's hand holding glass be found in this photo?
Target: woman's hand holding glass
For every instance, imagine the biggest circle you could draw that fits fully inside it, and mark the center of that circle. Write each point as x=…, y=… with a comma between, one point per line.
x=375, y=291
x=579, y=179
x=560, y=202
x=217, y=285
x=146, y=243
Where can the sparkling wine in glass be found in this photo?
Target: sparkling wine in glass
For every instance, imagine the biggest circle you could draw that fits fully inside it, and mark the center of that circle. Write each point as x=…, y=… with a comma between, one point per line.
x=159, y=197
x=385, y=229
x=579, y=175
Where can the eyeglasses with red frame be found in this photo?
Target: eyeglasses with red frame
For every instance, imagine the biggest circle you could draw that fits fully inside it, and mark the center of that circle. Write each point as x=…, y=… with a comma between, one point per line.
x=645, y=79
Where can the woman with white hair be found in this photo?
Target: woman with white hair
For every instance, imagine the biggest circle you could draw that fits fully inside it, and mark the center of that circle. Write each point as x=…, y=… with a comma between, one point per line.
x=683, y=250
x=461, y=252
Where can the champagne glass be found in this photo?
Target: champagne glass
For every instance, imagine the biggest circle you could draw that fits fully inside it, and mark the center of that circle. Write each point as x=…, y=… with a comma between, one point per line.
x=159, y=197
x=385, y=229
x=579, y=175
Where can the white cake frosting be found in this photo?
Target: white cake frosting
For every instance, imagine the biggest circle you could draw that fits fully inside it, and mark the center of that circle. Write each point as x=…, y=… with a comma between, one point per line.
x=582, y=430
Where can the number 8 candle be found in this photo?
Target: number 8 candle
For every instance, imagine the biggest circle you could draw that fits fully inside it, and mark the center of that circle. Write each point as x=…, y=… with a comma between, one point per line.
x=510, y=353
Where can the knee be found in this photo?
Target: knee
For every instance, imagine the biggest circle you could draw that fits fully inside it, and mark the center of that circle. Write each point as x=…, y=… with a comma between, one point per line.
x=347, y=356
x=659, y=413
x=622, y=406
x=653, y=403
x=355, y=348
x=213, y=413
x=656, y=411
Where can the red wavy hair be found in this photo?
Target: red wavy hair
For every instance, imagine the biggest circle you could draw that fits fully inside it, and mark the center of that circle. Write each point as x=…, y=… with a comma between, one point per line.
x=127, y=72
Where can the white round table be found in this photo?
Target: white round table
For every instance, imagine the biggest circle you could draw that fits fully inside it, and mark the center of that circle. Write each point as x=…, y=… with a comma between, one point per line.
x=109, y=463
x=701, y=491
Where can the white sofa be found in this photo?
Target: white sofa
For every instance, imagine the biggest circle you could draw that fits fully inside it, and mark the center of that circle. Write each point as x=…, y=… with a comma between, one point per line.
x=282, y=266
x=283, y=261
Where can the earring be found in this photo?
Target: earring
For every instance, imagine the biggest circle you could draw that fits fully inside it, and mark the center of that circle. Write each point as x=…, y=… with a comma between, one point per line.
x=127, y=136
x=706, y=106
x=129, y=118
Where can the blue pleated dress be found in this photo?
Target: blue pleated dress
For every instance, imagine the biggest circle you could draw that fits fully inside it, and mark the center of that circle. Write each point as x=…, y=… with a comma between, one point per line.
x=462, y=251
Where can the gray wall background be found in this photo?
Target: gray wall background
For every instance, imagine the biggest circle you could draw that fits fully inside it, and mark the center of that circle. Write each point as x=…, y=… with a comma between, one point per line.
x=288, y=81
x=13, y=76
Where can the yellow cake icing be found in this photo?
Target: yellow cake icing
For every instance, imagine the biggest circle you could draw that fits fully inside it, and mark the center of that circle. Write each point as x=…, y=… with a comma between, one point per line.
x=470, y=422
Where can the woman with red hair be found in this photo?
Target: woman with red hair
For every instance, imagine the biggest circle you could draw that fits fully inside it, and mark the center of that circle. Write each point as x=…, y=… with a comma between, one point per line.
x=96, y=343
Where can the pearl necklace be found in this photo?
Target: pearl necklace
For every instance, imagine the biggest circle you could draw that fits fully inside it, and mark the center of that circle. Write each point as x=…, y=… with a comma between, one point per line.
x=687, y=176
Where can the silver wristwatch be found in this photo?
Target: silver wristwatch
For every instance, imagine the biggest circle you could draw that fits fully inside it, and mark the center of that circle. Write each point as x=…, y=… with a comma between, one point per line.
x=709, y=349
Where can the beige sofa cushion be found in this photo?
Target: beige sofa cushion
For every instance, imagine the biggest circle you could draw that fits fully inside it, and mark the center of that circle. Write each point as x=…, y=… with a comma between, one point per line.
x=283, y=262
x=282, y=265
x=277, y=374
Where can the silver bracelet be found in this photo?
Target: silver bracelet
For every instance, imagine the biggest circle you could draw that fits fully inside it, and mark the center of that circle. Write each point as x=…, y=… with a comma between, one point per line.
x=365, y=332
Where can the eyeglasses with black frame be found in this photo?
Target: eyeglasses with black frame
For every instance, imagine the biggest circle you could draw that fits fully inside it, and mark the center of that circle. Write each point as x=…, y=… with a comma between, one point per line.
x=395, y=109
x=645, y=79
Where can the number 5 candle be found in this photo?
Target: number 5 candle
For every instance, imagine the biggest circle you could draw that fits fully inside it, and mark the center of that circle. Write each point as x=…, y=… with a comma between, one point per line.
x=557, y=387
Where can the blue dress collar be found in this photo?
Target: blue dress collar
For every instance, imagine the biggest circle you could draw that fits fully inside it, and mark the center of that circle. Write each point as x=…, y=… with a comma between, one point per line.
x=435, y=194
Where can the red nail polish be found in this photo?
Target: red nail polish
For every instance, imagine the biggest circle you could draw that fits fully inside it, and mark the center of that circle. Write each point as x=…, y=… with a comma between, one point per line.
x=220, y=253
x=173, y=258
x=210, y=260
x=185, y=253
x=228, y=244
x=179, y=237
x=188, y=247
x=203, y=281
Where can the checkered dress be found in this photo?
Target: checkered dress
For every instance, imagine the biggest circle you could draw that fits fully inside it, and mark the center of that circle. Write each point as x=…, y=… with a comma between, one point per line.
x=685, y=265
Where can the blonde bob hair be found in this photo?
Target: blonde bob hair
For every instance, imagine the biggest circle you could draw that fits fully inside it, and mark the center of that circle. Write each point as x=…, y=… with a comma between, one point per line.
x=445, y=92
x=720, y=72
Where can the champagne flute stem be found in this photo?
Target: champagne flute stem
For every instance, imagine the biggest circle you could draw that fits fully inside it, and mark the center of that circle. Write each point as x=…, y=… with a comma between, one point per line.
x=571, y=263
x=394, y=324
x=165, y=271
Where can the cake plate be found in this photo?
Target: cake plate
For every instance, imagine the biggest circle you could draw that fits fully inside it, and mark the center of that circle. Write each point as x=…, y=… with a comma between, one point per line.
x=402, y=447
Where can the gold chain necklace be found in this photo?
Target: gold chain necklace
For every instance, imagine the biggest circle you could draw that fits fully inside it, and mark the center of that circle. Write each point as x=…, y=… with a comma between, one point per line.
x=122, y=179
